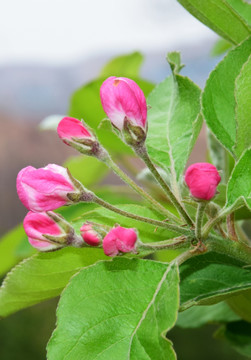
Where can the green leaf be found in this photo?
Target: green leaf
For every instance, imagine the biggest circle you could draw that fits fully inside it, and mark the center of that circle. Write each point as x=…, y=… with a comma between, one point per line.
x=210, y=278
x=241, y=304
x=219, y=16
x=126, y=65
x=117, y=310
x=197, y=316
x=9, y=245
x=174, y=61
x=242, y=8
x=218, y=98
x=147, y=232
x=73, y=211
x=218, y=155
x=85, y=104
x=88, y=170
x=118, y=194
x=174, y=123
x=220, y=47
x=238, y=335
x=243, y=108
x=239, y=185
x=243, y=213
x=42, y=277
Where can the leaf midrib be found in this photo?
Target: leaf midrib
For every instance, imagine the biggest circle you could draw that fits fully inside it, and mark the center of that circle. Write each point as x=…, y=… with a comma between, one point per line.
x=148, y=307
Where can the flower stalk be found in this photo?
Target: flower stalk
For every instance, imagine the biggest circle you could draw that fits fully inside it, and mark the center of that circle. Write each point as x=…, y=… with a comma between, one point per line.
x=158, y=223
x=221, y=215
x=154, y=204
x=199, y=218
x=231, y=227
x=142, y=153
x=235, y=249
x=175, y=243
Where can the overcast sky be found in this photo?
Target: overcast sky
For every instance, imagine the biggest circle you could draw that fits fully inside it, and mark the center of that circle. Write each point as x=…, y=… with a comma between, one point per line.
x=65, y=31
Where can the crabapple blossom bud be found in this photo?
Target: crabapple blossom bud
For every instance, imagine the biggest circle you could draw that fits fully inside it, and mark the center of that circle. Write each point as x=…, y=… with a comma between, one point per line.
x=48, y=231
x=72, y=129
x=89, y=235
x=75, y=133
x=202, y=180
x=47, y=188
x=119, y=239
x=122, y=99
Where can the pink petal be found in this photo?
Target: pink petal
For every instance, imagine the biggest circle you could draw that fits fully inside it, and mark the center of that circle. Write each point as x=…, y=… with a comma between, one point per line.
x=91, y=238
x=37, y=224
x=22, y=194
x=46, y=181
x=126, y=239
x=43, y=245
x=109, y=244
x=69, y=128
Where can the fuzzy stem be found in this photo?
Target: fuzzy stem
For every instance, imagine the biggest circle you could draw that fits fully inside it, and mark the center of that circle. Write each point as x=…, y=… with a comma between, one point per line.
x=199, y=218
x=234, y=249
x=223, y=213
x=78, y=242
x=230, y=248
x=174, y=243
x=184, y=257
x=154, y=204
x=162, y=224
x=142, y=152
x=231, y=227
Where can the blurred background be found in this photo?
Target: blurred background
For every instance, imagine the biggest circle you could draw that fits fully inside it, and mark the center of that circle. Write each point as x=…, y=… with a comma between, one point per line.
x=49, y=48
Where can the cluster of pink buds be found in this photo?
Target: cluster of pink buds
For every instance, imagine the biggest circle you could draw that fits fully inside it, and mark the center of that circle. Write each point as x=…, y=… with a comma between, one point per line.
x=42, y=190
x=117, y=240
x=46, y=189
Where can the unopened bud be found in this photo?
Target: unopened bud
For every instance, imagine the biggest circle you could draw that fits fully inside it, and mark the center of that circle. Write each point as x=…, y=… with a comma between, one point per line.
x=124, y=103
x=90, y=235
x=49, y=231
x=119, y=239
x=47, y=188
x=76, y=134
x=202, y=180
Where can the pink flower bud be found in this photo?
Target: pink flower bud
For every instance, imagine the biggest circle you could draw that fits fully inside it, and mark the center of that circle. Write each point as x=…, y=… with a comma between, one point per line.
x=46, y=188
x=202, y=180
x=119, y=239
x=75, y=133
x=122, y=98
x=69, y=129
x=37, y=226
x=90, y=236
